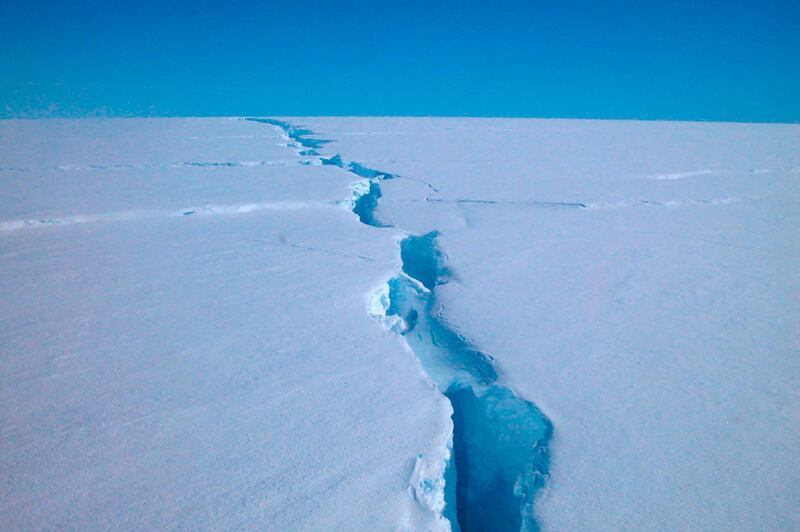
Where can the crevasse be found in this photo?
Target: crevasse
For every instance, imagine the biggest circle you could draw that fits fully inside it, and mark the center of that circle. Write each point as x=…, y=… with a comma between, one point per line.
x=500, y=454
x=500, y=441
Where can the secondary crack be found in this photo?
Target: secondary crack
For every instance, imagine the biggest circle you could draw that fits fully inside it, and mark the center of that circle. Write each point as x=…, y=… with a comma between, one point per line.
x=134, y=216
x=553, y=204
x=283, y=241
x=157, y=166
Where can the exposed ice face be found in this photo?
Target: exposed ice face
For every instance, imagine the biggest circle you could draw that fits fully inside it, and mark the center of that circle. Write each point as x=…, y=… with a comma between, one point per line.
x=500, y=441
x=502, y=457
x=428, y=486
x=423, y=260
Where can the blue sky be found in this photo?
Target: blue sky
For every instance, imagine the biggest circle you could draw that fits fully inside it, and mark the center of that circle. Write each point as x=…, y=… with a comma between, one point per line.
x=704, y=60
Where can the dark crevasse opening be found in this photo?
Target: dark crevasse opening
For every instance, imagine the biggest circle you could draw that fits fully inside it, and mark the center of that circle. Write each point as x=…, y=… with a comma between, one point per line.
x=368, y=191
x=368, y=173
x=365, y=205
x=357, y=168
x=336, y=161
x=423, y=260
x=500, y=441
x=501, y=457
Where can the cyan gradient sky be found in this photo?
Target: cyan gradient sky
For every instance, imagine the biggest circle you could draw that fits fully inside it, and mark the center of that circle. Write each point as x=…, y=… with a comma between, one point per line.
x=702, y=60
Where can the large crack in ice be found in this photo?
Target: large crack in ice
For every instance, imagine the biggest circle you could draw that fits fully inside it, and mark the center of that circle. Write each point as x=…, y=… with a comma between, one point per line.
x=365, y=192
x=499, y=443
x=296, y=134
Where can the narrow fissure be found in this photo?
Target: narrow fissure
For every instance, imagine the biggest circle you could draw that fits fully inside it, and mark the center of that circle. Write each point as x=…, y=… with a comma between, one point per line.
x=500, y=441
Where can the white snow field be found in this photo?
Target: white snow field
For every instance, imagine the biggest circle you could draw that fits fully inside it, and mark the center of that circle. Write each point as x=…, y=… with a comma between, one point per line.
x=421, y=324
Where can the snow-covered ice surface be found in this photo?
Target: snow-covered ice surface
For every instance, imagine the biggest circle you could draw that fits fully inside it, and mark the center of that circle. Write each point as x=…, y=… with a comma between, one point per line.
x=191, y=324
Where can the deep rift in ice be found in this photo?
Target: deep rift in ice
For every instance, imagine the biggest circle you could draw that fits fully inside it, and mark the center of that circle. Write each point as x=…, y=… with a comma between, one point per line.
x=500, y=441
x=500, y=453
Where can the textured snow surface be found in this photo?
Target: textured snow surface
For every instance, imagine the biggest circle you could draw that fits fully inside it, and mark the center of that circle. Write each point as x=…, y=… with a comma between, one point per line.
x=188, y=333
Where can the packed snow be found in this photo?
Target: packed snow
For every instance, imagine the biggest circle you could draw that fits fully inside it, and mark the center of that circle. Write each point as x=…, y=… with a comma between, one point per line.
x=386, y=323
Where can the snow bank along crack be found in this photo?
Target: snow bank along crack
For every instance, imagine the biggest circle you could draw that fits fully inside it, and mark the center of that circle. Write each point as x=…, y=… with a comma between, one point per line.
x=500, y=454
